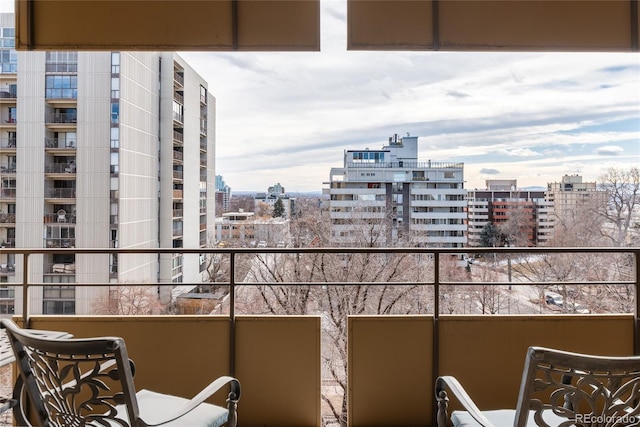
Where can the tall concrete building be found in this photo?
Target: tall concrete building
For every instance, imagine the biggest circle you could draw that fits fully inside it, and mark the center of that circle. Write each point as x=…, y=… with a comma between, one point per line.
x=528, y=213
x=571, y=196
x=223, y=196
x=387, y=197
x=92, y=149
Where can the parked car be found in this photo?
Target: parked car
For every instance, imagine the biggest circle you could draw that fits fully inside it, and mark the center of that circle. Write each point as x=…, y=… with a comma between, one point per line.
x=262, y=244
x=553, y=298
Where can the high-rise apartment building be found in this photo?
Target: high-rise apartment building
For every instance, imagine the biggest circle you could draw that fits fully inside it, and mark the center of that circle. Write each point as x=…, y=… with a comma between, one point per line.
x=387, y=197
x=571, y=197
x=523, y=214
x=92, y=153
x=223, y=196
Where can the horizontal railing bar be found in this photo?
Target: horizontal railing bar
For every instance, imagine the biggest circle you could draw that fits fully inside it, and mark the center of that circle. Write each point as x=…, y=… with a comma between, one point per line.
x=345, y=283
x=454, y=251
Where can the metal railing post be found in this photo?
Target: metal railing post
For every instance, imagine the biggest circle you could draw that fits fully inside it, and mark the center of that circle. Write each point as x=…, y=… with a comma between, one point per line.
x=25, y=291
x=435, y=369
x=636, y=311
x=232, y=314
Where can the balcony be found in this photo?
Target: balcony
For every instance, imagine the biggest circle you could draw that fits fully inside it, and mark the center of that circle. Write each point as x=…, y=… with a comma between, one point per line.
x=390, y=358
x=8, y=143
x=59, y=144
x=52, y=168
x=61, y=118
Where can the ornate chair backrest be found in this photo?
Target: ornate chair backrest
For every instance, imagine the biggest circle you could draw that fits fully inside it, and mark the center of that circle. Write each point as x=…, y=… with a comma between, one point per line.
x=75, y=382
x=586, y=390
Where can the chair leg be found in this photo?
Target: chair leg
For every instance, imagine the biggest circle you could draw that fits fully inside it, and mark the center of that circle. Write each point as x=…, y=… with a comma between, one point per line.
x=443, y=404
x=232, y=406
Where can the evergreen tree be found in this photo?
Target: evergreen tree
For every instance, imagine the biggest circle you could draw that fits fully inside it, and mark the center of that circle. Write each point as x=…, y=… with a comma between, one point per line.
x=278, y=209
x=490, y=236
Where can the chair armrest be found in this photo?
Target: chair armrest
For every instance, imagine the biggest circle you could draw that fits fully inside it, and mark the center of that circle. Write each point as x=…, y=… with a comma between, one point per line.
x=208, y=391
x=451, y=383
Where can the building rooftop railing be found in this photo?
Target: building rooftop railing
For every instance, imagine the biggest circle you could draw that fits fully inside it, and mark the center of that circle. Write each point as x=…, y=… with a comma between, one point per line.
x=406, y=165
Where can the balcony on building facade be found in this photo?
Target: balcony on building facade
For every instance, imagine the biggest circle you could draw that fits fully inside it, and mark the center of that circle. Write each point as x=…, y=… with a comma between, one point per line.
x=60, y=268
x=8, y=168
x=58, y=117
x=178, y=175
x=63, y=168
x=178, y=78
x=177, y=156
x=9, y=93
x=59, y=144
x=178, y=118
x=8, y=143
x=388, y=357
x=178, y=97
x=59, y=242
x=7, y=219
x=178, y=137
x=8, y=194
x=9, y=242
x=60, y=193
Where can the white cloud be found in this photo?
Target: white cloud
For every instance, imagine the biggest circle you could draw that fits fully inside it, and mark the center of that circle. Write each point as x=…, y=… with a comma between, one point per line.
x=609, y=150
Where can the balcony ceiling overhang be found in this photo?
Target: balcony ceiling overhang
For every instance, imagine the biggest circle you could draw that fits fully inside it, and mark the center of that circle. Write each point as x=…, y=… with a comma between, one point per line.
x=168, y=25
x=294, y=25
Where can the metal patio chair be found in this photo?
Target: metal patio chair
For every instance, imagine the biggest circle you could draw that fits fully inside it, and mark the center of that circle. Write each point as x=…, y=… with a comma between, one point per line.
x=558, y=389
x=89, y=381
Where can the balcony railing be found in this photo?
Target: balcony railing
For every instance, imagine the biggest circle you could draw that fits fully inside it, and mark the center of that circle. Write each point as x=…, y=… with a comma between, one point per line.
x=61, y=118
x=59, y=143
x=60, y=193
x=8, y=168
x=7, y=142
x=389, y=358
x=60, y=168
x=178, y=136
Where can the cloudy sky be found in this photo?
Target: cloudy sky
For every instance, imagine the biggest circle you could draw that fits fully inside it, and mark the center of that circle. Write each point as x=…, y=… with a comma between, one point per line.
x=288, y=117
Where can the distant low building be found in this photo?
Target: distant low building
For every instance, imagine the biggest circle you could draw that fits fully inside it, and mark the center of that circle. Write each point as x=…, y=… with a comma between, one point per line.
x=245, y=229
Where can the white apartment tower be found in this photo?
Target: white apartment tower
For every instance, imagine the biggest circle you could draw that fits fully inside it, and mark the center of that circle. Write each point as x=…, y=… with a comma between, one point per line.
x=387, y=197
x=93, y=148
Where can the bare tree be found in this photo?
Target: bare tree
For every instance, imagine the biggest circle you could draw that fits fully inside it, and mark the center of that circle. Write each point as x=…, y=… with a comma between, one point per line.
x=623, y=192
x=130, y=300
x=519, y=228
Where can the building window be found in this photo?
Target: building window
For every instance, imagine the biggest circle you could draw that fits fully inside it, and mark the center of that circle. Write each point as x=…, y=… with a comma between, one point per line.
x=59, y=300
x=61, y=87
x=58, y=307
x=62, y=62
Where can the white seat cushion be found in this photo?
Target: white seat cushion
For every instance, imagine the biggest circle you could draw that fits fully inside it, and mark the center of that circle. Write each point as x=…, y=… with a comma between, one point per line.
x=501, y=418
x=158, y=406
